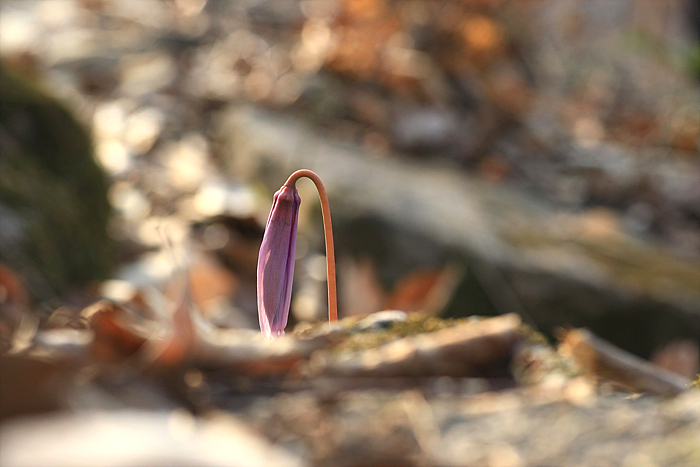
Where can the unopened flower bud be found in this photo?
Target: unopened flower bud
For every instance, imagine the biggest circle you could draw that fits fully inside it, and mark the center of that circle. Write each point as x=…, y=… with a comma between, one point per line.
x=276, y=261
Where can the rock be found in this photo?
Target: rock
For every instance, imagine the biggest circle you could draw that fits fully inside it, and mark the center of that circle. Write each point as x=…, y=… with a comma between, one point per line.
x=424, y=129
x=554, y=268
x=380, y=320
x=122, y=438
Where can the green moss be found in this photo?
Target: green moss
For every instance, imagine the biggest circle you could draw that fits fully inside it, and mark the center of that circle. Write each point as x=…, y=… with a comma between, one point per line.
x=533, y=337
x=415, y=323
x=696, y=383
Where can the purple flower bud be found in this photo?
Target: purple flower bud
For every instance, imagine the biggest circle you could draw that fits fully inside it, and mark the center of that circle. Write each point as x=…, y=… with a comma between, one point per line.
x=276, y=262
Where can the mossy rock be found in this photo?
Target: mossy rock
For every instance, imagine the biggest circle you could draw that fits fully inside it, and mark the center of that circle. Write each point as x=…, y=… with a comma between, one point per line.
x=53, y=195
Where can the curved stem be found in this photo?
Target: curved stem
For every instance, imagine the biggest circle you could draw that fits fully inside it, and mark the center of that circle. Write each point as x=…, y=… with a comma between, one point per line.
x=328, y=232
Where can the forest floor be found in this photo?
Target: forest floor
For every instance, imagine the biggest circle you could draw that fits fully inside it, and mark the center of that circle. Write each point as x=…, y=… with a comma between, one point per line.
x=589, y=109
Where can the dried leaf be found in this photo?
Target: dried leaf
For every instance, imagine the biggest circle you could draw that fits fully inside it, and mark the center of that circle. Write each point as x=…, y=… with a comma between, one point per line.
x=30, y=384
x=482, y=35
x=681, y=357
x=178, y=344
x=362, y=293
x=14, y=304
x=209, y=282
x=425, y=290
x=117, y=333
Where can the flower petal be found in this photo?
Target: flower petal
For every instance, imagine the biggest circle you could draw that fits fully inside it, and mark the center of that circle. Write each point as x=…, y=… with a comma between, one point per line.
x=276, y=262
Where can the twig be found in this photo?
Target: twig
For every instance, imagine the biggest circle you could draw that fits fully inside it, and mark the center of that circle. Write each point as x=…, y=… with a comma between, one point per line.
x=603, y=359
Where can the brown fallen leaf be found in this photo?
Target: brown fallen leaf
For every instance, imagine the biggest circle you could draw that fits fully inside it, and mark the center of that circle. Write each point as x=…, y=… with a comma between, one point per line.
x=177, y=345
x=425, y=290
x=681, y=357
x=209, y=282
x=118, y=334
x=31, y=384
x=14, y=304
x=483, y=38
x=362, y=293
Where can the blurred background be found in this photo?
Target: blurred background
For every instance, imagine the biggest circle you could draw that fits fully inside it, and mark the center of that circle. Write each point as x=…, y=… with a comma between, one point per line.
x=482, y=157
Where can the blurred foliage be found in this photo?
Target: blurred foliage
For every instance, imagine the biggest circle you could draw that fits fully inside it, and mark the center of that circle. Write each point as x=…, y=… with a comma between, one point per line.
x=692, y=61
x=53, y=195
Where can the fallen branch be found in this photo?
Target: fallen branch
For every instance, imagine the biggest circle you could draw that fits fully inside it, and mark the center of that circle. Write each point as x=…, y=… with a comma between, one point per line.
x=468, y=349
x=598, y=357
x=248, y=352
